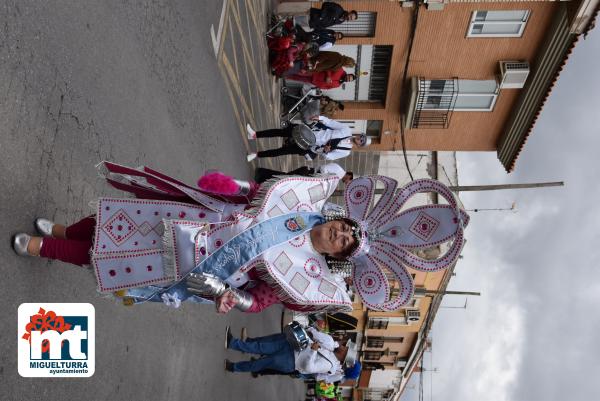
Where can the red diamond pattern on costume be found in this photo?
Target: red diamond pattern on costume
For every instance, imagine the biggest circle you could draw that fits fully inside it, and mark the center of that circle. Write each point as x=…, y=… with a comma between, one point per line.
x=119, y=227
x=424, y=226
x=275, y=211
x=283, y=263
x=290, y=199
x=145, y=228
x=316, y=193
x=299, y=283
x=159, y=228
x=327, y=288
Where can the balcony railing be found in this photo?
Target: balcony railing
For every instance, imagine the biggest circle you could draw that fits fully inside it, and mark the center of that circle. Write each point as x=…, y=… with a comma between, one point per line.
x=434, y=102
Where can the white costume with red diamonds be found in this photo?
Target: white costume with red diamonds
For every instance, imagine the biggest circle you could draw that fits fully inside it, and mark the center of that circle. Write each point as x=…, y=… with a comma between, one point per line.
x=149, y=246
x=142, y=242
x=389, y=234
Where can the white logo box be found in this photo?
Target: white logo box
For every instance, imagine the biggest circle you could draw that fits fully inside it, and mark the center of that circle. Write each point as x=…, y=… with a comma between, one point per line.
x=77, y=363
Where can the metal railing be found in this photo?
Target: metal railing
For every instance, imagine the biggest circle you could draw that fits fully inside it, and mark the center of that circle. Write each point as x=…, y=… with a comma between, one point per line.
x=364, y=26
x=435, y=102
x=380, y=71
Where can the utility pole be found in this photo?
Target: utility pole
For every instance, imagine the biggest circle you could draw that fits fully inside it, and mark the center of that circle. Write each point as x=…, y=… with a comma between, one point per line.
x=466, y=188
x=424, y=291
x=456, y=307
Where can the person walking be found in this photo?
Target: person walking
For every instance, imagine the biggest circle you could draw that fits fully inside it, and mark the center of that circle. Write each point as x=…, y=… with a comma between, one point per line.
x=331, y=61
x=333, y=140
x=324, y=38
x=330, y=79
x=323, y=356
x=329, y=14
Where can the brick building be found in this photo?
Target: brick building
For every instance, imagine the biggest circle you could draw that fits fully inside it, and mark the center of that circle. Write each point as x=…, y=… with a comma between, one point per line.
x=478, y=74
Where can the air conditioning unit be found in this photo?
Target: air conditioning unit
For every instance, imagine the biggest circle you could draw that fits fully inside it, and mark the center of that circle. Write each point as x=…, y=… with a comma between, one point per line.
x=513, y=74
x=401, y=362
x=413, y=316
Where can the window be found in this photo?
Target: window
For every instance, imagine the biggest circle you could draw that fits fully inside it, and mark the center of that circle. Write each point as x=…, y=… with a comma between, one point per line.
x=374, y=128
x=460, y=95
x=378, y=323
x=377, y=395
x=413, y=303
x=373, y=355
x=375, y=342
x=381, y=60
x=378, y=342
x=370, y=127
x=372, y=72
x=363, y=26
x=493, y=24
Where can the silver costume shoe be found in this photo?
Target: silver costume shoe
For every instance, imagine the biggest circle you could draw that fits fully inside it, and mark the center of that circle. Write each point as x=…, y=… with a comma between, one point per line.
x=20, y=242
x=44, y=226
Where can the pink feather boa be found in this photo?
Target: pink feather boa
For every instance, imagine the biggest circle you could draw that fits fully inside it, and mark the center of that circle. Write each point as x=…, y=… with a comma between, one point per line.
x=218, y=183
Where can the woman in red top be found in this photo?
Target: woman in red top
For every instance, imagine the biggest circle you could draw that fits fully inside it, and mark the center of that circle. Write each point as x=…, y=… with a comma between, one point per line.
x=324, y=79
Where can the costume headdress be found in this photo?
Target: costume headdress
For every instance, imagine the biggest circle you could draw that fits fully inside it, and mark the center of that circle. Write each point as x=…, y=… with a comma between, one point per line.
x=388, y=234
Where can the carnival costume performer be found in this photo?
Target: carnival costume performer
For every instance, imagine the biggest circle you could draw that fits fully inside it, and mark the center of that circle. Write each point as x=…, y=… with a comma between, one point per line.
x=179, y=243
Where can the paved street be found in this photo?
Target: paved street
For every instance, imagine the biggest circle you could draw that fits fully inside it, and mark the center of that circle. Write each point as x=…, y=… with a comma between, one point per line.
x=137, y=82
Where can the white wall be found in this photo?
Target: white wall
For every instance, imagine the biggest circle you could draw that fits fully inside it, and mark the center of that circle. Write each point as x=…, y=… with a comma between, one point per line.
x=383, y=379
x=392, y=165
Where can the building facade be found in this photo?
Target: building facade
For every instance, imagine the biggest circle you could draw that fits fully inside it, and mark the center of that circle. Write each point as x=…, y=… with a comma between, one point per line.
x=442, y=75
x=477, y=75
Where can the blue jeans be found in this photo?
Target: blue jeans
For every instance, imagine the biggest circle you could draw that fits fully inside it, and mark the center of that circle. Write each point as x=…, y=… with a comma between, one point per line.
x=277, y=354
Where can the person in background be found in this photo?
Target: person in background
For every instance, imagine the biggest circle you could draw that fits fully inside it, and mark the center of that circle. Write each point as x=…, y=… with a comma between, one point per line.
x=334, y=140
x=323, y=79
x=329, y=107
x=323, y=356
x=331, y=61
x=328, y=15
x=324, y=38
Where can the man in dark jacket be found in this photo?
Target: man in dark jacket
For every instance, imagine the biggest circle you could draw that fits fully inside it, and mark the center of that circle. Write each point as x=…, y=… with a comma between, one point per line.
x=329, y=14
x=324, y=38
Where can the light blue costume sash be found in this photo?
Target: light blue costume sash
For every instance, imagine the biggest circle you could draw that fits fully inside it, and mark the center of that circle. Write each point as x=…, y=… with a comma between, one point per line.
x=237, y=252
x=255, y=240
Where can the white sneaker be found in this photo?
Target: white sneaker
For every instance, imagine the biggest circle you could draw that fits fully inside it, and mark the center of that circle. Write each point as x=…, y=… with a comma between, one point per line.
x=250, y=157
x=251, y=132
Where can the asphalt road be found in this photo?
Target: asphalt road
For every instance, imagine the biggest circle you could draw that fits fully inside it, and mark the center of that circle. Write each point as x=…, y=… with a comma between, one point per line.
x=136, y=82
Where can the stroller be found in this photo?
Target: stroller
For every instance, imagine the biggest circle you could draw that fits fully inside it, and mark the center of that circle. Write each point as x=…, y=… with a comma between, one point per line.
x=306, y=106
x=282, y=25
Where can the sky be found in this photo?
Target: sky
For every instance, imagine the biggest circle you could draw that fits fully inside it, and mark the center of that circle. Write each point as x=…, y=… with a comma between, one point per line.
x=533, y=334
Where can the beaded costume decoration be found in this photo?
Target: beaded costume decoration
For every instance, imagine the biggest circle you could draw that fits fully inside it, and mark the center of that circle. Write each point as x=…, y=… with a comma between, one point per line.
x=388, y=234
